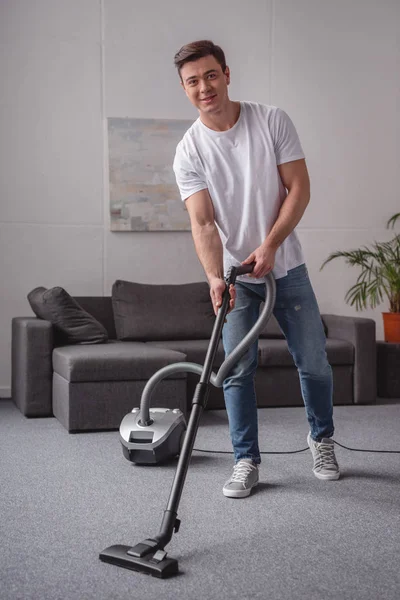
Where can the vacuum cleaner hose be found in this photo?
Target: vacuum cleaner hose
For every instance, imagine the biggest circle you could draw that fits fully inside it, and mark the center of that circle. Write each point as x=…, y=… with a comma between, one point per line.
x=216, y=379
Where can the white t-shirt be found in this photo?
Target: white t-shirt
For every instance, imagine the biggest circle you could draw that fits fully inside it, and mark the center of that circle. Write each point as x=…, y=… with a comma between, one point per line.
x=239, y=169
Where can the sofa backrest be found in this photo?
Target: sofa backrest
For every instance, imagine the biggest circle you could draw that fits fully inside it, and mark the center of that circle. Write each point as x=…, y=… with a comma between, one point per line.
x=100, y=307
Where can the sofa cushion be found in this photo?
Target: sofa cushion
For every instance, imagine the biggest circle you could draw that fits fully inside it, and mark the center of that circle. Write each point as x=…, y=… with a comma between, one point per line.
x=195, y=350
x=148, y=312
x=275, y=353
x=114, y=361
x=75, y=325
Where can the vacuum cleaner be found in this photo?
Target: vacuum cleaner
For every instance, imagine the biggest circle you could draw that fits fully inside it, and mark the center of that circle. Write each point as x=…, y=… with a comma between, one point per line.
x=154, y=435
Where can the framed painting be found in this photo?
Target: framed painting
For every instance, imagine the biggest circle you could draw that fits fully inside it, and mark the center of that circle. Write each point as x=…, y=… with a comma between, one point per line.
x=143, y=191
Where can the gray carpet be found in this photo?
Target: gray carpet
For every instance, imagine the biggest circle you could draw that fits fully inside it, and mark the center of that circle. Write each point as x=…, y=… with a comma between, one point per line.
x=64, y=498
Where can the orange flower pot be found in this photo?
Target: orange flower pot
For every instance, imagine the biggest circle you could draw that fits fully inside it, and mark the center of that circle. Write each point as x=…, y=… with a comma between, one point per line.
x=391, y=326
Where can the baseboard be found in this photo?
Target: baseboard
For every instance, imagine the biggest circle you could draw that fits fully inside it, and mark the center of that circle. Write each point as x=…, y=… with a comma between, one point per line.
x=5, y=392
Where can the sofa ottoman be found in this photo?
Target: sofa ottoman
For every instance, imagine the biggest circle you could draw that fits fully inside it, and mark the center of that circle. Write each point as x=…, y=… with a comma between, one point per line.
x=95, y=386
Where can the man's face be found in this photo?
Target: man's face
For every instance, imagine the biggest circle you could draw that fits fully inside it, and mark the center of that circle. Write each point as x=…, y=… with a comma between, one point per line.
x=205, y=84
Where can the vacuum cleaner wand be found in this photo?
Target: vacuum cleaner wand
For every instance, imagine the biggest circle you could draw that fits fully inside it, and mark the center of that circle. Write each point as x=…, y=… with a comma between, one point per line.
x=149, y=555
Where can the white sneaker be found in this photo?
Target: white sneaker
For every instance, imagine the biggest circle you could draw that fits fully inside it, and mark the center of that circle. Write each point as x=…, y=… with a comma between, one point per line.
x=325, y=463
x=243, y=479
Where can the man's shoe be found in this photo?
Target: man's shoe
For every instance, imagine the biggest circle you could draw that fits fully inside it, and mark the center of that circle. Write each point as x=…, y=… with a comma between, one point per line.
x=243, y=479
x=325, y=463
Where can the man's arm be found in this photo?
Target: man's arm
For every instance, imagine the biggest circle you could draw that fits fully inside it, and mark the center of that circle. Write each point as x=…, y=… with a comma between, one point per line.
x=205, y=234
x=295, y=178
x=208, y=245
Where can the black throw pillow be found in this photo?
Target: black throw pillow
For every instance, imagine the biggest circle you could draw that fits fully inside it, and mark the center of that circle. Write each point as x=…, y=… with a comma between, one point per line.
x=75, y=324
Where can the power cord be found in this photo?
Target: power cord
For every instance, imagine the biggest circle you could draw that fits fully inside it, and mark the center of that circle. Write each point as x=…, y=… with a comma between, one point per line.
x=228, y=452
x=304, y=450
x=376, y=451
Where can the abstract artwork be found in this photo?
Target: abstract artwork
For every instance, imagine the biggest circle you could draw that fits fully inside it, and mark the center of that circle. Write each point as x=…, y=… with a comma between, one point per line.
x=143, y=191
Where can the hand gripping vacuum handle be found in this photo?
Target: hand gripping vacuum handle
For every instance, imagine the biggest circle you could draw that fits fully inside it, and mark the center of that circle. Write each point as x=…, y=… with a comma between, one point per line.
x=216, y=379
x=234, y=272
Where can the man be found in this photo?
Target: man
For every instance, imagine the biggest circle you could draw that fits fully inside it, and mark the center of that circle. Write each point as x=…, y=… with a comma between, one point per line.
x=241, y=171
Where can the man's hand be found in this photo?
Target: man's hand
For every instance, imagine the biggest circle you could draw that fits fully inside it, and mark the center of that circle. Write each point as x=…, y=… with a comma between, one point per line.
x=217, y=288
x=264, y=259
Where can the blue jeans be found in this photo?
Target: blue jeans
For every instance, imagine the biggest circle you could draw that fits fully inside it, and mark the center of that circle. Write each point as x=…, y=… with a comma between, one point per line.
x=297, y=313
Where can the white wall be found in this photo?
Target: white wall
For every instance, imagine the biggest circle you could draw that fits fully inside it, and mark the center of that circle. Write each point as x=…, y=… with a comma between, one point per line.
x=67, y=66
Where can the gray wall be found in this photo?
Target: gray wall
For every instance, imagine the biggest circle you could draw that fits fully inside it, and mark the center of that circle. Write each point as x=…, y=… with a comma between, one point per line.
x=67, y=66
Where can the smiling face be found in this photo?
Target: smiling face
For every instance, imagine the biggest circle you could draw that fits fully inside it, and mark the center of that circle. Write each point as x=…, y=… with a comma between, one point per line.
x=206, y=85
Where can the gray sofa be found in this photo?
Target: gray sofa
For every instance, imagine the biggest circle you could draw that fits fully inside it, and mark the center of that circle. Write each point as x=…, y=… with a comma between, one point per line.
x=92, y=386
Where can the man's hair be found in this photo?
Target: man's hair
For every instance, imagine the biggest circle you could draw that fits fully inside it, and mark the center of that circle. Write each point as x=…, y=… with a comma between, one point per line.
x=195, y=50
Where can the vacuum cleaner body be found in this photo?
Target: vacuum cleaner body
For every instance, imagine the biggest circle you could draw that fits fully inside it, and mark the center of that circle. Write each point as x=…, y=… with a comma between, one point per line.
x=156, y=442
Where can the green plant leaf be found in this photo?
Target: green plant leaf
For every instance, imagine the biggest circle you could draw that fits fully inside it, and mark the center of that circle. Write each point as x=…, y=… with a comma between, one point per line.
x=380, y=272
x=393, y=220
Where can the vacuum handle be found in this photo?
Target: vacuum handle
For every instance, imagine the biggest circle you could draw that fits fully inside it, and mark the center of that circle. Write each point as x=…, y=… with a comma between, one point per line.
x=236, y=271
x=230, y=279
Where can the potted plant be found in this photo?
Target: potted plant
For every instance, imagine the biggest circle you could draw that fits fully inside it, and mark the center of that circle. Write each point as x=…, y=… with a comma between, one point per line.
x=379, y=278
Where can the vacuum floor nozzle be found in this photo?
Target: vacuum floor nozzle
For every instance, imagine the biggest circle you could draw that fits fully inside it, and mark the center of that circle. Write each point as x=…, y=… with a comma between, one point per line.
x=156, y=563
